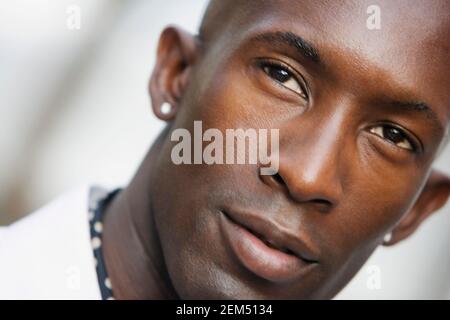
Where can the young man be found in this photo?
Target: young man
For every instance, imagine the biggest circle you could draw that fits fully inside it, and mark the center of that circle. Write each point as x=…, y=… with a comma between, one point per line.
x=361, y=115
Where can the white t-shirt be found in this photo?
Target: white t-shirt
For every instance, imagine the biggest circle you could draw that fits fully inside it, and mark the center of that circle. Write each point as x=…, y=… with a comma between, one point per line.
x=48, y=254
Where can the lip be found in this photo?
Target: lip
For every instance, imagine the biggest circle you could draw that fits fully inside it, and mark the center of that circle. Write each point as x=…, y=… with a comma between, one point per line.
x=266, y=249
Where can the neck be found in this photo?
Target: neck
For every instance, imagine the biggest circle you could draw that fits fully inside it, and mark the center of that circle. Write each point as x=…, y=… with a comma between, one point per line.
x=131, y=246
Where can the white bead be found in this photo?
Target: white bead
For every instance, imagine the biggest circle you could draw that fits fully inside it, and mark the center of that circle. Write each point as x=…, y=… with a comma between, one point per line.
x=108, y=283
x=98, y=227
x=96, y=242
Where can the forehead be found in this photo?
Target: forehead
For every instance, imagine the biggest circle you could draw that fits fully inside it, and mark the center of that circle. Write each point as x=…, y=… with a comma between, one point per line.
x=409, y=54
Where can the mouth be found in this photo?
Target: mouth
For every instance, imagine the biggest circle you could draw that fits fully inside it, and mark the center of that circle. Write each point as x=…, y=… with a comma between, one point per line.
x=265, y=249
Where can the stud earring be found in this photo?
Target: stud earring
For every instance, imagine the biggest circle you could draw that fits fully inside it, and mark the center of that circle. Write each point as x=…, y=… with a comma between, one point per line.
x=166, y=108
x=387, y=238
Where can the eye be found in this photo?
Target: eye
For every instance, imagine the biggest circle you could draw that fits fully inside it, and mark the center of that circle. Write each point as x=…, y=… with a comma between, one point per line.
x=284, y=76
x=395, y=136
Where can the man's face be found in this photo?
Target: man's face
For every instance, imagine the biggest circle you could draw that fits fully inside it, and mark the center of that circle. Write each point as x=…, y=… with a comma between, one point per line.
x=360, y=117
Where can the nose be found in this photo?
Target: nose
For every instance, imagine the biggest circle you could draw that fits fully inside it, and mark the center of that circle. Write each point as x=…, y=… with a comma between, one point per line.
x=310, y=165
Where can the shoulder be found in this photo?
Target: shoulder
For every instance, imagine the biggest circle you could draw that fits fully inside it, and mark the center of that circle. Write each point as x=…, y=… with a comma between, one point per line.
x=48, y=255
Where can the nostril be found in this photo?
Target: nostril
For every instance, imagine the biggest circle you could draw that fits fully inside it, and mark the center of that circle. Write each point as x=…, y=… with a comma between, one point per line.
x=323, y=205
x=322, y=202
x=273, y=181
x=278, y=179
x=317, y=193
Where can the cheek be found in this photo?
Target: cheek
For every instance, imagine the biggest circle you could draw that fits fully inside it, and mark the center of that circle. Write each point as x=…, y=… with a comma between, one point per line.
x=374, y=206
x=378, y=192
x=376, y=197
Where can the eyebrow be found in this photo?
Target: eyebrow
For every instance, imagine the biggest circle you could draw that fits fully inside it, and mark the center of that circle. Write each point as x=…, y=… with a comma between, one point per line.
x=305, y=48
x=420, y=107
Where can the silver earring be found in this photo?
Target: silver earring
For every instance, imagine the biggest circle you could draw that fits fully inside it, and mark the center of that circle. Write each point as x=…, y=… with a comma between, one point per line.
x=387, y=237
x=166, y=108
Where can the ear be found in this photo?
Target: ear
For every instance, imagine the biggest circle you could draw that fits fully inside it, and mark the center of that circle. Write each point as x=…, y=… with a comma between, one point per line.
x=433, y=197
x=177, y=53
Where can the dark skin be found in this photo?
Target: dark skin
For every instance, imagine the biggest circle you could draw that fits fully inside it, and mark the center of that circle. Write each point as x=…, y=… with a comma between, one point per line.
x=362, y=115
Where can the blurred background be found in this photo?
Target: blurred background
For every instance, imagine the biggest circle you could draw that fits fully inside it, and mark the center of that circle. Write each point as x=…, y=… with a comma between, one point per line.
x=74, y=109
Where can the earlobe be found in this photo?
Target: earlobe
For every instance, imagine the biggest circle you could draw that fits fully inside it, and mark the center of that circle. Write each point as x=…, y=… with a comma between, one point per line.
x=177, y=53
x=433, y=197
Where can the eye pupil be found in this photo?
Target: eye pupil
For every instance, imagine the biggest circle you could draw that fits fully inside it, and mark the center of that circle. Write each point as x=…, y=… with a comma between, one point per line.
x=393, y=134
x=278, y=74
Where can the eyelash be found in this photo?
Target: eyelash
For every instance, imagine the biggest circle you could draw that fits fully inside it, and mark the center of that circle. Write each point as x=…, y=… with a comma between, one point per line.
x=282, y=67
